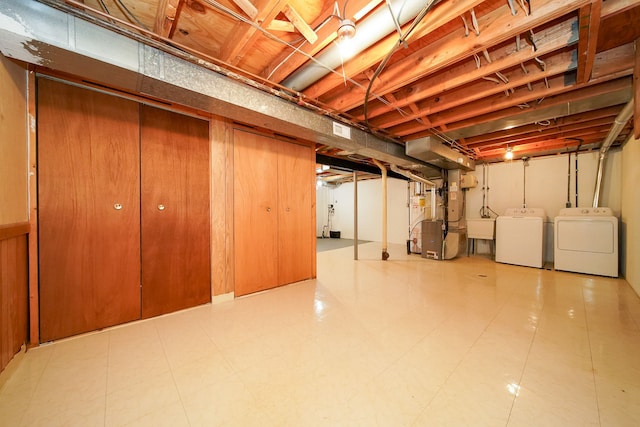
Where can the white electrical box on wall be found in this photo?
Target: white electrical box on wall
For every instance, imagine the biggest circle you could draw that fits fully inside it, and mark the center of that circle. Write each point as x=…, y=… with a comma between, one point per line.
x=468, y=181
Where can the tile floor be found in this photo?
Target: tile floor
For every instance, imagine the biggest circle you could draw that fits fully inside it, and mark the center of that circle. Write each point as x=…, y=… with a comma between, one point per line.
x=406, y=342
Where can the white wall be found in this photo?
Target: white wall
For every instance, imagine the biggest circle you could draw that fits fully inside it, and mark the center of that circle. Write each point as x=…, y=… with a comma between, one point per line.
x=546, y=187
x=546, y=184
x=370, y=210
x=630, y=224
x=324, y=197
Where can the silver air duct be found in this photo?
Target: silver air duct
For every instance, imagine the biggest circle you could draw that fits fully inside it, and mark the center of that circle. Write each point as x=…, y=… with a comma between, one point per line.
x=617, y=127
x=437, y=154
x=369, y=31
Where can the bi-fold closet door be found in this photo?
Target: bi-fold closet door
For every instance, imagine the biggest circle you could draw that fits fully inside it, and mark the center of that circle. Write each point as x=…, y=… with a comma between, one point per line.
x=274, y=202
x=123, y=210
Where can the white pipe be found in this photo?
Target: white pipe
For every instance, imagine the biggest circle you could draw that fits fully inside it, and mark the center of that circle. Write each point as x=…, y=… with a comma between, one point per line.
x=368, y=31
x=355, y=215
x=619, y=123
x=415, y=177
x=411, y=175
x=433, y=204
x=383, y=170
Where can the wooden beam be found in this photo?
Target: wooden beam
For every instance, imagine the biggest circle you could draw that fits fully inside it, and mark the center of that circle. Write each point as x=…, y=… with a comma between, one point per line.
x=482, y=89
x=326, y=35
x=300, y=24
x=613, y=7
x=536, y=132
x=589, y=29
x=496, y=27
x=247, y=7
x=278, y=25
x=500, y=107
x=243, y=36
x=166, y=17
x=437, y=18
x=597, y=116
x=505, y=57
x=636, y=93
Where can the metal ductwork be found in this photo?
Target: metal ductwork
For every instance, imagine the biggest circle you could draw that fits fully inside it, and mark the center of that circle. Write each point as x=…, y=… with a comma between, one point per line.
x=437, y=154
x=64, y=40
x=619, y=123
x=368, y=31
x=534, y=115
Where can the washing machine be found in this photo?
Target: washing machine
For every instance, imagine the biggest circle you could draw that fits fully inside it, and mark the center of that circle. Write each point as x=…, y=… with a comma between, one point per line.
x=520, y=237
x=586, y=241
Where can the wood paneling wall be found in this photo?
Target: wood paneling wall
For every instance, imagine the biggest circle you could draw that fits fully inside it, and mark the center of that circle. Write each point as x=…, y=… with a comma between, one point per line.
x=13, y=290
x=14, y=228
x=13, y=143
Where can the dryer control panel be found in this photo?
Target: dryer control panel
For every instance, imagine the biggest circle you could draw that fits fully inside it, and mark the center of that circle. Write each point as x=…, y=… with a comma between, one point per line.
x=586, y=212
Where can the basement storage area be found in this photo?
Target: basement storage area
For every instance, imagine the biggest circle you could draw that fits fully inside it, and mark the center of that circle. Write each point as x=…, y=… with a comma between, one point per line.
x=159, y=212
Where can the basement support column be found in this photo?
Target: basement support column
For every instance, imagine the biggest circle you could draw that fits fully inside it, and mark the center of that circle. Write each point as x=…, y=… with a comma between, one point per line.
x=383, y=170
x=355, y=215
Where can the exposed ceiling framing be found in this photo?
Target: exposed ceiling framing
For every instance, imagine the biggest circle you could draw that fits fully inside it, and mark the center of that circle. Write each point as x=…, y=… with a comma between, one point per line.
x=537, y=76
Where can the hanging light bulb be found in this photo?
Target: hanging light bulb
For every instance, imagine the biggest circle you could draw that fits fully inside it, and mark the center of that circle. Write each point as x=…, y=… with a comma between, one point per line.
x=346, y=32
x=347, y=29
x=509, y=154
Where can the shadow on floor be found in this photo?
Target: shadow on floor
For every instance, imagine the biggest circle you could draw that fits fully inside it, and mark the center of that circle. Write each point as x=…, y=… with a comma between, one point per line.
x=328, y=244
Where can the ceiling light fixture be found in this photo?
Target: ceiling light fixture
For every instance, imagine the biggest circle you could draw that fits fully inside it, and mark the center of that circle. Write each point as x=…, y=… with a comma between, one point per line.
x=509, y=154
x=346, y=32
x=347, y=29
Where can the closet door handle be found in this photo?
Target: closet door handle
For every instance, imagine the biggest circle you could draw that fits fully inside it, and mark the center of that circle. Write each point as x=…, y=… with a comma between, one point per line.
x=160, y=207
x=268, y=209
x=287, y=209
x=117, y=206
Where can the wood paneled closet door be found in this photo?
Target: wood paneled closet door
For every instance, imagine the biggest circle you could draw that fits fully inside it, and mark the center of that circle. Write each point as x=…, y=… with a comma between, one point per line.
x=88, y=207
x=175, y=211
x=296, y=200
x=255, y=210
x=255, y=165
x=274, y=199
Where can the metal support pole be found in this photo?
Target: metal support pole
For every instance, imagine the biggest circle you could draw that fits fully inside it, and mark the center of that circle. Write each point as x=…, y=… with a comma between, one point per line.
x=355, y=215
x=383, y=171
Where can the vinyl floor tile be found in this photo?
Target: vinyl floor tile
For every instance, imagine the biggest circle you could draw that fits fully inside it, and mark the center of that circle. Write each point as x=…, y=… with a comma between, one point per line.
x=404, y=342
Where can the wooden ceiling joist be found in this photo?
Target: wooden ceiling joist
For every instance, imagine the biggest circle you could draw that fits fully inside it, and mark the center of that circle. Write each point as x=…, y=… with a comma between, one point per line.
x=496, y=27
x=166, y=17
x=506, y=56
x=297, y=21
x=544, y=69
x=482, y=89
x=247, y=7
x=589, y=28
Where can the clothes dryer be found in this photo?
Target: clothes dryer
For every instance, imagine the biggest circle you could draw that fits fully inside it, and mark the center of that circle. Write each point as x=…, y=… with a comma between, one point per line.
x=586, y=241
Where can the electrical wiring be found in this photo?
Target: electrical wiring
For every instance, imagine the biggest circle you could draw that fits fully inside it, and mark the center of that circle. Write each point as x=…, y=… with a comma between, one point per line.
x=234, y=14
x=273, y=88
x=401, y=41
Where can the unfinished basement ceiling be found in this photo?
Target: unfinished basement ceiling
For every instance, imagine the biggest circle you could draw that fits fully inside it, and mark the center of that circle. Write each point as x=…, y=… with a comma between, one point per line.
x=536, y=76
